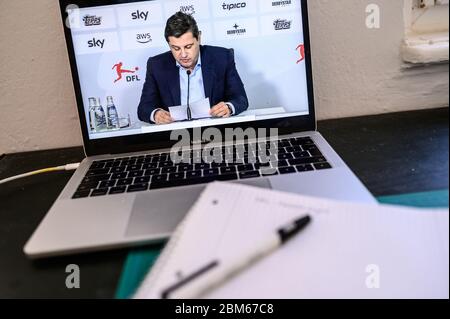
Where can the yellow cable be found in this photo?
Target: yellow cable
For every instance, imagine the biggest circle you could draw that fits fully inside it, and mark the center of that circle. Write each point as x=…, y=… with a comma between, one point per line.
x=67, y=167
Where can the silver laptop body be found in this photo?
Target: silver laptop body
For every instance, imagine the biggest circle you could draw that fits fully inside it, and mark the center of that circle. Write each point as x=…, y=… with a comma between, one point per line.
x=139, y=218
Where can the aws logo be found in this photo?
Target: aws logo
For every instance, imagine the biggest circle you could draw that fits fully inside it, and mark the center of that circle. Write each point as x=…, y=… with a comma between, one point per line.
x=189, y=9
x=143, y=38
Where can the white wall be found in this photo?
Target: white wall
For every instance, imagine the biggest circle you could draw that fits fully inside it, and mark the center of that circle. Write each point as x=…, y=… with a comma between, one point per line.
x=358, y=71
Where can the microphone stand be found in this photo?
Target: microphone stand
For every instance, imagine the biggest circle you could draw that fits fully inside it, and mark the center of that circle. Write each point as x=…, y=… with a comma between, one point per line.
x=189, y=115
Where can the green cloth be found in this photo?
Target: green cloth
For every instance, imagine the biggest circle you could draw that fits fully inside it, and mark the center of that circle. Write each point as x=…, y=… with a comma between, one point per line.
x=435, y=199
x=136, y=266
x=139, y=261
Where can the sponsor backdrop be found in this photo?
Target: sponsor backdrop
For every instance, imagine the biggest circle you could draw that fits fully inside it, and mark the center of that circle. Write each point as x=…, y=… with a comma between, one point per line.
x=113, y=43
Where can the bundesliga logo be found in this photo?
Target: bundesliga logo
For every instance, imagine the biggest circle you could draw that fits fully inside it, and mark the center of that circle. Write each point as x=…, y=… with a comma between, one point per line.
x=282, y=24
x=92, y=20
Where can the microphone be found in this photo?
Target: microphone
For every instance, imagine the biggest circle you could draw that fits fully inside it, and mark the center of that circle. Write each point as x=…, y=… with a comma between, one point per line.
x=189, y=115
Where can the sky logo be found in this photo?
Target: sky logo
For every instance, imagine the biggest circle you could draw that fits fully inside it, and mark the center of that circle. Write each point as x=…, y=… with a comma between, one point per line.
x=96, y=43
x=139, y=15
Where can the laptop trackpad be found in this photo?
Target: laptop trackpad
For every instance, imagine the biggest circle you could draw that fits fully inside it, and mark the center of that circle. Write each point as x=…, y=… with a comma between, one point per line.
x=159, y=212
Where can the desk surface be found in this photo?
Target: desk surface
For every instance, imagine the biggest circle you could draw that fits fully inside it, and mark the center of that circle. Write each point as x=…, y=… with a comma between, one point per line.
x=391, y=153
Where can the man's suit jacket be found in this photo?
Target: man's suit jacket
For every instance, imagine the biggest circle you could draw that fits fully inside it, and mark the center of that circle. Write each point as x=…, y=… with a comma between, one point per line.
x=220, y=80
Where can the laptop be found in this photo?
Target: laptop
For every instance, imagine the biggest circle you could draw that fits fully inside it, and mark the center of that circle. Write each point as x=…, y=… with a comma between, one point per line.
x=129, y=190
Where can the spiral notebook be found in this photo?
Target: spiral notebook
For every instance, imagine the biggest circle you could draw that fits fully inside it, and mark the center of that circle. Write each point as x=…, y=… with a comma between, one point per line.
x=348, y=251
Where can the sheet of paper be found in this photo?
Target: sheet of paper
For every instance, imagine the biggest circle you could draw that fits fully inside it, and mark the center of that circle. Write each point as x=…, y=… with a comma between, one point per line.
x=348, y=250
x=200, y=109
x=178, y=113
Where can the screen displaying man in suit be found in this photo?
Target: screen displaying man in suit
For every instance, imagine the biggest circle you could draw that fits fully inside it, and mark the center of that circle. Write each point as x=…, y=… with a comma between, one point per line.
x=211, y=70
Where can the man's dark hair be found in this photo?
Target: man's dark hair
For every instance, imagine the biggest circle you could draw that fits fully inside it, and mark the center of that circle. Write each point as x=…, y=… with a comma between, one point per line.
x=179, y=24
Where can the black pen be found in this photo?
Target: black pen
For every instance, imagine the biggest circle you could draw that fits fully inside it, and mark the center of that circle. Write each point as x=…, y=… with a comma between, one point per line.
x=217, y=272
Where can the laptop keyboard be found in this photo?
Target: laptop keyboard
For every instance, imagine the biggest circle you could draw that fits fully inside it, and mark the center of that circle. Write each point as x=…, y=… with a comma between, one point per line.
x=240, y=161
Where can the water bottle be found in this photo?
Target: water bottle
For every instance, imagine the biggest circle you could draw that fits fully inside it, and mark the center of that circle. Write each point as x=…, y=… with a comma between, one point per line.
x=92, y=124
x=111, y=111
x=100, y=118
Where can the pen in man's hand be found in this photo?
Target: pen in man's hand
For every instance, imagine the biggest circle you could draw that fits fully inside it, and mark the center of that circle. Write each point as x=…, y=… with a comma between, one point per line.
x=218, y=271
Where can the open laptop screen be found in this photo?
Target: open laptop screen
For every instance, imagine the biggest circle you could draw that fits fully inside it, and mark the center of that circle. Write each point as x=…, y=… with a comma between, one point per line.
x=113, y=44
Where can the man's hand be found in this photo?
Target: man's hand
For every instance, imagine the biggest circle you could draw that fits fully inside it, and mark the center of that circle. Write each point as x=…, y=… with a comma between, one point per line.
x=163, y=117
x=220, y=110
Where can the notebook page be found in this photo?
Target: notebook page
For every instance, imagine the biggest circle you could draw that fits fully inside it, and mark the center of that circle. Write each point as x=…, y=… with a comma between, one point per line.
x=206, y=236
x=336, y=256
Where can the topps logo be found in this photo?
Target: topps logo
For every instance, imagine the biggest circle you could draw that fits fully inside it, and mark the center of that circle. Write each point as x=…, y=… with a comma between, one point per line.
x=92, y=20
x=282, y=24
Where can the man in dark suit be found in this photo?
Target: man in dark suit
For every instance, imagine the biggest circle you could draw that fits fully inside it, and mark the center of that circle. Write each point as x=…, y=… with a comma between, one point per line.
x=211, y=70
